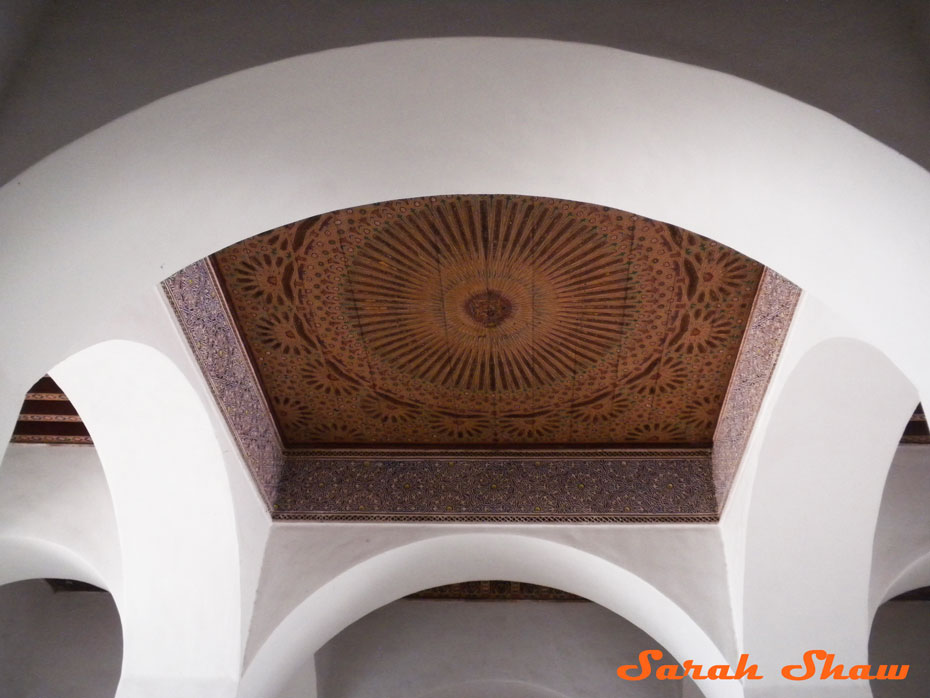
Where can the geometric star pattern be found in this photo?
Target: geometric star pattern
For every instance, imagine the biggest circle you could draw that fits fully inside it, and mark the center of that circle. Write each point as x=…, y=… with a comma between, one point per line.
x=489, y=320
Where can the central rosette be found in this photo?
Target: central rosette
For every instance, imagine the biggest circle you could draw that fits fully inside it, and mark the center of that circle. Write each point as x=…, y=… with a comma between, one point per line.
x=486, y=310
x=489, y=313
x=489, y=308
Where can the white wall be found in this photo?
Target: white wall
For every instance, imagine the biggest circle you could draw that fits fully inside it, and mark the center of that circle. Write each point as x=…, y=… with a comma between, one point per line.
x=148, y=320
x=414, y=648
x=58, y=645
x=813, y=324
x=181, y=601
x=57, y=516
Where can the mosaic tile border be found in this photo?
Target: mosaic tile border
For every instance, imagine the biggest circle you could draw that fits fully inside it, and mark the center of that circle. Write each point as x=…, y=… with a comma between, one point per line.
x=198, y=304
x=494, y=487
x=769, y=320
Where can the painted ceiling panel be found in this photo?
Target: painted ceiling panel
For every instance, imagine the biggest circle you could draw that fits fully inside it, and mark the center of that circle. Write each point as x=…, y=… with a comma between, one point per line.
x=489, y=320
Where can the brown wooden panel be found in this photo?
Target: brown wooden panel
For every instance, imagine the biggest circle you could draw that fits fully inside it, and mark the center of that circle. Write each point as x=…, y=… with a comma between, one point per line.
x=24, y=428
x=48, y=407
x=498, y=320
x=46, y=385
x=48, y=417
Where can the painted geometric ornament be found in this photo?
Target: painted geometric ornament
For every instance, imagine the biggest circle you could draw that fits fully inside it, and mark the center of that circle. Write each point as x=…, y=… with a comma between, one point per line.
x=489, y=320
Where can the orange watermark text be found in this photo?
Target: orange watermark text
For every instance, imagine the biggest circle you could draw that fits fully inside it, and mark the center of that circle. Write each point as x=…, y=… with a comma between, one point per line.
x=808, y=669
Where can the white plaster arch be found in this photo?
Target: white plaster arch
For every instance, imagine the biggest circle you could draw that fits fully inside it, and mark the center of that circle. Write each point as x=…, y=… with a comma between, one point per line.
x=174, y=518
x=815, y=502
x=449, y=559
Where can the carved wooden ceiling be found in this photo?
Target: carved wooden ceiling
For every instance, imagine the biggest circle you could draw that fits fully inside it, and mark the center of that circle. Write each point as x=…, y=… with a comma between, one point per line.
x=478, y=358
x=489, y=320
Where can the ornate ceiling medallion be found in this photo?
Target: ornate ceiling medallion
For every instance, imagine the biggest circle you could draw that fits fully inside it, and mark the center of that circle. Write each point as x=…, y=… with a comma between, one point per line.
x=490, y=320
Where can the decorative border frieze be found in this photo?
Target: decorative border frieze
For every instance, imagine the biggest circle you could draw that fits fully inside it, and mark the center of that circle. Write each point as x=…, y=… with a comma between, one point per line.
x=479, y=453
x=765, y=334
x=493, y=487
x=204, y=318
x=52, y=439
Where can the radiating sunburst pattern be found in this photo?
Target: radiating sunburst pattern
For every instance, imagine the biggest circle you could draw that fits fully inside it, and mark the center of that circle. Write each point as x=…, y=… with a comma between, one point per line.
x=490, y=319
x=489, y=294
